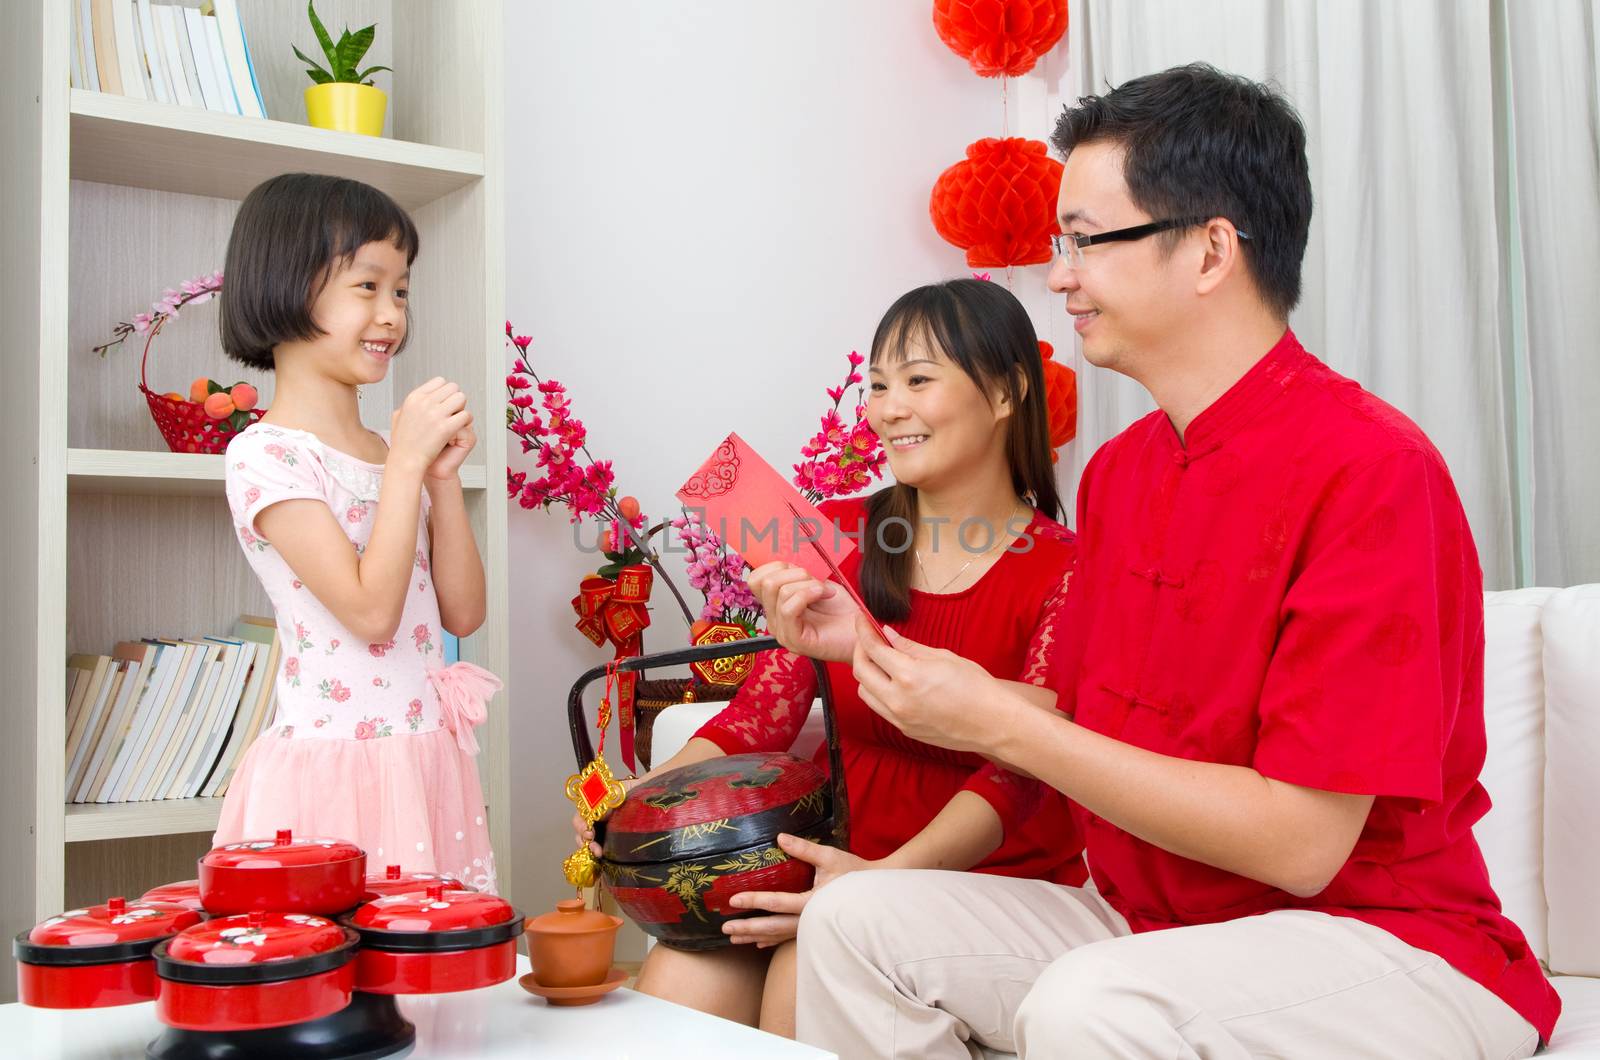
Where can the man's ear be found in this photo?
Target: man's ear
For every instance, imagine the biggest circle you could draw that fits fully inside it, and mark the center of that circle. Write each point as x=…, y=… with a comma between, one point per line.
x=1223, y=255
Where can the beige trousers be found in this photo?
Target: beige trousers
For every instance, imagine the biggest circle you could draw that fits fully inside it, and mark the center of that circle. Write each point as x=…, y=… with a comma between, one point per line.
x=930, y=965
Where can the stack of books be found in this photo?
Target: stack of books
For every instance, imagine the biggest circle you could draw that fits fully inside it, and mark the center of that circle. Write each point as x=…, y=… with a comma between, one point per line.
x=194, y=57
x=168, y=719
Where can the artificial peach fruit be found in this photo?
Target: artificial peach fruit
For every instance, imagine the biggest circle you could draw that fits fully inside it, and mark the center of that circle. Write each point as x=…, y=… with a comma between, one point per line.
x=629, y=508
x=244, y=396
x=199, y=389
x=219, y=406
x=699, y=627
x=173, y=395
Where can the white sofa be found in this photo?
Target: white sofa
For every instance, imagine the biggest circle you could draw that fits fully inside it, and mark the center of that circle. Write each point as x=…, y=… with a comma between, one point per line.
x=1542, y=837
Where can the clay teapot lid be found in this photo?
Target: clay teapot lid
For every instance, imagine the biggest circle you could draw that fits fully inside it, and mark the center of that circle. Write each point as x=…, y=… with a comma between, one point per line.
x=572, y=917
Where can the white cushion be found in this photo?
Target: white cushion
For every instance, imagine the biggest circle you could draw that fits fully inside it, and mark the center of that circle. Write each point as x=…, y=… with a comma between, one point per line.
x=677, y=724
x=1572, y=778
x=1511, y=833
x=1578, y=1030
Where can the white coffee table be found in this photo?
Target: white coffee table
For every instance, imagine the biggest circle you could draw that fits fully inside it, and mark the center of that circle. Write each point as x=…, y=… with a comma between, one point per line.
x=501, y=1021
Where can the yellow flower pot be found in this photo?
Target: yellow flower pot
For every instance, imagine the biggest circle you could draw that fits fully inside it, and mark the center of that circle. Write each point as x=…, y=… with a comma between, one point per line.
x=347, y=107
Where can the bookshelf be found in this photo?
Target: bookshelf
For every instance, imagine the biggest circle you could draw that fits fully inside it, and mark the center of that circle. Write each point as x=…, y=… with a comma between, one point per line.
x=118, y=471
x=107, y=201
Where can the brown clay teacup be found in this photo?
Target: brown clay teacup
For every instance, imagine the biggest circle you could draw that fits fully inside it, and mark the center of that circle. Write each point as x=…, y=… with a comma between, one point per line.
x=572, y=946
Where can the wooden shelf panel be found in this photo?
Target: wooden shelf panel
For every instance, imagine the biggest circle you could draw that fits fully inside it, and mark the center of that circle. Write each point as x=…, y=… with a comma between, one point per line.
x=117, y=140
x=126, y=820
x=122, y=471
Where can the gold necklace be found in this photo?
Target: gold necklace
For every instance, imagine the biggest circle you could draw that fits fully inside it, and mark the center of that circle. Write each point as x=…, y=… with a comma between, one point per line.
x=1004, y=539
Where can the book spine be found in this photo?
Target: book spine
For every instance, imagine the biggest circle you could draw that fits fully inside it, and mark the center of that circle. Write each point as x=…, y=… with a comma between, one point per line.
x=130, y=56
x=85, y=24
x=105, y=47
x=219, y=64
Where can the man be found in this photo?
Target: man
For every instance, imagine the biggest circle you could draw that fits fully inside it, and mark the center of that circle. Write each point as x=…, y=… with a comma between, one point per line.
x=1271, y=689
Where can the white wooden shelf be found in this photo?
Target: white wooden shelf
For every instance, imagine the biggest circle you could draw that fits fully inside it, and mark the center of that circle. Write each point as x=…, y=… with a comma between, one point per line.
x=121, y=471
x=127, y=820
x=115, y=194
x=134, y=142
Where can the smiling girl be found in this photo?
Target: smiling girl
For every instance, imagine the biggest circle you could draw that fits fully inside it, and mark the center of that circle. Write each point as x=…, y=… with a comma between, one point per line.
x=360, y=538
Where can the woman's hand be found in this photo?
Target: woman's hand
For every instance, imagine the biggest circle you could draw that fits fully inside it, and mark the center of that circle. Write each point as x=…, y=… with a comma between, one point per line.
x=809, y=617
x=430, y=417
x=786, y=906
x=930, y=694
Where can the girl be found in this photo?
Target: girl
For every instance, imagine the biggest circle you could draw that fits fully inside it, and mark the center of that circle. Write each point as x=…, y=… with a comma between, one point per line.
x=360, y=539
x=964, y=553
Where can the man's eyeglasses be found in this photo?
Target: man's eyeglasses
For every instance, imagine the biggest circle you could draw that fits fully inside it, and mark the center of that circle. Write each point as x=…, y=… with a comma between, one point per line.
x=1072, y=244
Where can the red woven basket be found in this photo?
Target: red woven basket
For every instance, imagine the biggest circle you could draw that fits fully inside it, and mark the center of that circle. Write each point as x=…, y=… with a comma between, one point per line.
x=184, y=423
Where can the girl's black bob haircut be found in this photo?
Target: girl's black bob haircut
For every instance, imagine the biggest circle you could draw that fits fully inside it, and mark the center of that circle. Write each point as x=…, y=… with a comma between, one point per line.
x=291, y=234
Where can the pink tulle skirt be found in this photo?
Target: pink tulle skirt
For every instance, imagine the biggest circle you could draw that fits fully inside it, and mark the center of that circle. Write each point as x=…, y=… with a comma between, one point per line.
x=408, y=800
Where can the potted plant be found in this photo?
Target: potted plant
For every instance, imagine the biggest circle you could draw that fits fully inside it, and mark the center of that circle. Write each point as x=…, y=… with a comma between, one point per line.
x=343, y=97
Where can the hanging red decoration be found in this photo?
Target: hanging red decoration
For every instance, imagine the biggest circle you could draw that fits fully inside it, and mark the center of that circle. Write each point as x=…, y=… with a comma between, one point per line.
x=1000, y=37
x=1061, y=398
x=999, y=203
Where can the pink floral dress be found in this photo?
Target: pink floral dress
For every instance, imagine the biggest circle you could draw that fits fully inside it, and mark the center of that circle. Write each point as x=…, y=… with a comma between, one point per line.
x=371, y=743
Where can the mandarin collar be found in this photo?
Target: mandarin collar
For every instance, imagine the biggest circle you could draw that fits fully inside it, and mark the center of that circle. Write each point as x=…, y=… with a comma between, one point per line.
x=1256, y=389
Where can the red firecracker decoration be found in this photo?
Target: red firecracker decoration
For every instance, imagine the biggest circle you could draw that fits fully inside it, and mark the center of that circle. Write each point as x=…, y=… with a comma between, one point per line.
x=999, y=203
x=998, y=37
x=1061, y=398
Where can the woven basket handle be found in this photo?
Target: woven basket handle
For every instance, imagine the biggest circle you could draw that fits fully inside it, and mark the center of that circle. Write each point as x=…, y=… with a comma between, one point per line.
x=583, y=747
x=155, y=329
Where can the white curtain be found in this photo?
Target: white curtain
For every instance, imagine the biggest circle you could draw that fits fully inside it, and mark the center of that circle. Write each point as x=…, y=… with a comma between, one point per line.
x=1554, y=236
x=1408, y=276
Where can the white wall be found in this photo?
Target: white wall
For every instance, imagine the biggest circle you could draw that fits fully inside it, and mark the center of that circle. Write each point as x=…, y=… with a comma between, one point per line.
x=709, y=204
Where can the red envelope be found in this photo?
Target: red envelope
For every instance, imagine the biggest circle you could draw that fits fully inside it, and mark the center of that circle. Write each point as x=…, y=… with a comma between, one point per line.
x=747, y=503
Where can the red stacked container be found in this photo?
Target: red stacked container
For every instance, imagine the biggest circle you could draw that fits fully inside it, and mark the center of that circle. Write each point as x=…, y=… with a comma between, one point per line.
x=286, y=875
x=435, y=941
x=96, y=957
x=255, y=971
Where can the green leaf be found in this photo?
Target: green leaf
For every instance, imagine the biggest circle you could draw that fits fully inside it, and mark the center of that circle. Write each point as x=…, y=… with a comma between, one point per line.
x=352, y=47
x=239, y=421
x=213, y=387
x=322, y=34
x=610, y=570
x=315, y=72
x=369, y=71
